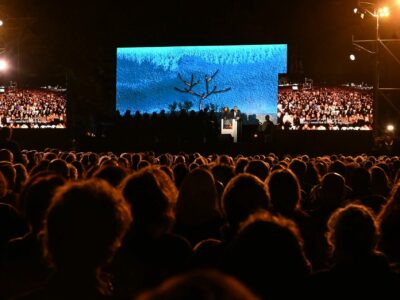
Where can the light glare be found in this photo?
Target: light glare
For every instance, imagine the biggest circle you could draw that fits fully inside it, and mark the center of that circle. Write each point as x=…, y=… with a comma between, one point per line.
x=390, y=127
x=3, y=65
x=384, y=12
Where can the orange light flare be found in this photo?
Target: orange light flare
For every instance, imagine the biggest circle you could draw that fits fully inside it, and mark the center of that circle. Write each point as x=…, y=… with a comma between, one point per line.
x=3, y=65
x=384, y=12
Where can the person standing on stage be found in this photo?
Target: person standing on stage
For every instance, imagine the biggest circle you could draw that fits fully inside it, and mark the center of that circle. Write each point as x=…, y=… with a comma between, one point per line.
x=267, y=129
x=226, y=113
x=235, y=114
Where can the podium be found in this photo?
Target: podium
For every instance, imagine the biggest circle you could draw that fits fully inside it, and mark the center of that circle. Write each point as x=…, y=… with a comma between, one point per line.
x=230, y=126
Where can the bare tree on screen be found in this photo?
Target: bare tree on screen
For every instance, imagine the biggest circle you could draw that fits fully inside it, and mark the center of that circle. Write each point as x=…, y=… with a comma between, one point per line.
x=190, y=85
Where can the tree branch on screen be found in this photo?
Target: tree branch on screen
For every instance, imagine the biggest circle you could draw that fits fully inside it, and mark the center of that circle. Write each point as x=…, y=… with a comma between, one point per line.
x=191, y=84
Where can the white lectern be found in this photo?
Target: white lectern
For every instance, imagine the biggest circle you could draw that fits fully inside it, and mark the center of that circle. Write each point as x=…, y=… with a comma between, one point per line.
x=229, y=126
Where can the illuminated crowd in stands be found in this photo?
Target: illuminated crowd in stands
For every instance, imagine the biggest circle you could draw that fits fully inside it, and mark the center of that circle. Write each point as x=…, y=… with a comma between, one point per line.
x=86, y=225
x=39, y=108
x=322, y=108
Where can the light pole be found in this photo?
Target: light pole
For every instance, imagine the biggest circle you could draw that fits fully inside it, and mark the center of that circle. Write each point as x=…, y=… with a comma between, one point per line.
x=377, y=75
x=2, y=49
x=373, y=10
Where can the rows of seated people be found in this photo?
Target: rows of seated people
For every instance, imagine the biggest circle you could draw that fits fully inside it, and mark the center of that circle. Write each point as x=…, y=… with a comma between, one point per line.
x=33, y=108
x=322, y=108
x=77, y=225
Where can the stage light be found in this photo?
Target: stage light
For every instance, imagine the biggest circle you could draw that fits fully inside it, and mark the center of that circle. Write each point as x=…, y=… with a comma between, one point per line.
x=390, y=127
x=255, y=135
x=384, y=12
x=1, y=23
x=355, y=10
x=352, y=57
x=3, y=65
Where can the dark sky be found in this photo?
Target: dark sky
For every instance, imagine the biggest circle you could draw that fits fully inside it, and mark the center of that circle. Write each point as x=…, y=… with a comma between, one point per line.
x=48, y=39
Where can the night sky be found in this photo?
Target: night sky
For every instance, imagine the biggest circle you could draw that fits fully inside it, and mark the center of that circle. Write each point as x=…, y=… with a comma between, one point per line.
x=75, y=41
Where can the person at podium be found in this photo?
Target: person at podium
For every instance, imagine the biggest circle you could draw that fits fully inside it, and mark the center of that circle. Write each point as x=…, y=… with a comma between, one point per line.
x=236, y=115
x=225, y=114
x=226, y=117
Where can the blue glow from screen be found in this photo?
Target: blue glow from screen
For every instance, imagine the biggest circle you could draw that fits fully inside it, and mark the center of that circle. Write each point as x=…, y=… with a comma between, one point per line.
x=147, y=77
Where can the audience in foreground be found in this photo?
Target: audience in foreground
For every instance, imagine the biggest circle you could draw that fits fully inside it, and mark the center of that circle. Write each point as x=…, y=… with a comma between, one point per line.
x=91, y=225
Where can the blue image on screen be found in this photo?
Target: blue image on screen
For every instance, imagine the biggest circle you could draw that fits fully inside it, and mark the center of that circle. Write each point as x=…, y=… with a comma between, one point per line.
x=150, y=79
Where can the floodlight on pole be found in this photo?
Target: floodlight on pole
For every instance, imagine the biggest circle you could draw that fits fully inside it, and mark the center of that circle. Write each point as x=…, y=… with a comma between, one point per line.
x=377, y=46
x=383, y=12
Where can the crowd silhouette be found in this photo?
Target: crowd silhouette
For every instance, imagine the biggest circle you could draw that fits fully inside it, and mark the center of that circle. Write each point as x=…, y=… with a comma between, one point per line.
x=149, y=226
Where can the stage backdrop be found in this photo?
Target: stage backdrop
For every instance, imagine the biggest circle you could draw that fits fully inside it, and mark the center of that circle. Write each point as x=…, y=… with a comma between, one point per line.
x=150, y=79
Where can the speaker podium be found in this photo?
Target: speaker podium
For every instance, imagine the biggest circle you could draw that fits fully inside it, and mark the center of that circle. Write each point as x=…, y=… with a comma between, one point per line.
x=230, y=126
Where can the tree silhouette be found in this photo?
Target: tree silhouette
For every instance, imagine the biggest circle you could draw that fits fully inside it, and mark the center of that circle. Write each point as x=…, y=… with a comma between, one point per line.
x=202, y=96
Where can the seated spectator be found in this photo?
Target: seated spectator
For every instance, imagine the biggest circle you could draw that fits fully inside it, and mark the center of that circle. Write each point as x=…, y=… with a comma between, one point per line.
x=267, y=255
x=24, y=268
x=223, y=173
x=358, y=269
x=243, y=196
x=198, y=212
x=241, y=164
x=60, y=167
x=258, y=168
x=150, y=252
x=6, y=155
x=360, y=180
x=84, y=227
x=200, y=285
x=21, y=176
x=325, y=198
x=180, y=171
x=380, y=183
x=114, y=175
x=389, y=222
x=6, y=142
x=10, y=175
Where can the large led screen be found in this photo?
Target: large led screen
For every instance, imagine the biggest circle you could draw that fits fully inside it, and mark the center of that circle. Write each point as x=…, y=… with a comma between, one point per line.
x=152, y=79
x=311, y=107
x=33, y=108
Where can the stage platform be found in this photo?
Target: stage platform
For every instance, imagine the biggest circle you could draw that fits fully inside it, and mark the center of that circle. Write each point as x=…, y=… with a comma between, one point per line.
x=291, y=142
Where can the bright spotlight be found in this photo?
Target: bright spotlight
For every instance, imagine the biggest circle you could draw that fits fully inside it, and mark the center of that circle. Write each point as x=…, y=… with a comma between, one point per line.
x=3, y=65
x=355, y=10
x=1, y=23
x=352, y=57
x=384, y=12
x=390, y=127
